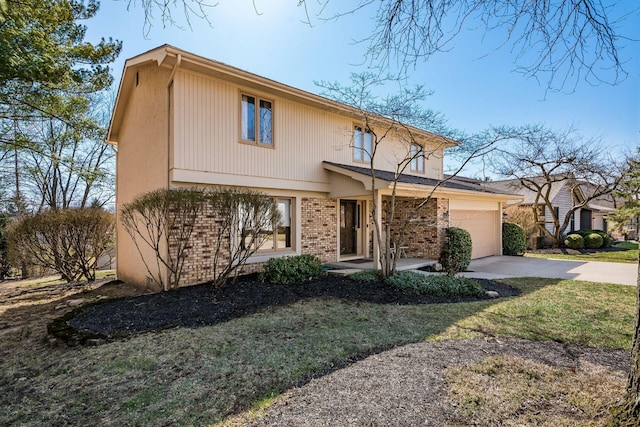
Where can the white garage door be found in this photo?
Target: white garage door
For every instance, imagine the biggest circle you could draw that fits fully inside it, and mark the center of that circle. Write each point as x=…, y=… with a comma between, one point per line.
x=482, y=226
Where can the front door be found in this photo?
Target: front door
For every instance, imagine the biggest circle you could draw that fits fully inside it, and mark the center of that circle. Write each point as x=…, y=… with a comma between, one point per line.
x=585, y=219
x=348, y=227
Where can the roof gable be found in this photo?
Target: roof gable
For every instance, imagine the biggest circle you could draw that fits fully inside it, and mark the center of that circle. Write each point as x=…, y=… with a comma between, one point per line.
x=174, y=58
x=559, y=183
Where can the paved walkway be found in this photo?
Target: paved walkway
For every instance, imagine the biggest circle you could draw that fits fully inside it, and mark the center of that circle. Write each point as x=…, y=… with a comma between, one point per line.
x=497, y=267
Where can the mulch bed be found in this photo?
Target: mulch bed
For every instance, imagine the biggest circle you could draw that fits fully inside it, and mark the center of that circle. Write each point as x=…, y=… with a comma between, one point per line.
x=202, y=305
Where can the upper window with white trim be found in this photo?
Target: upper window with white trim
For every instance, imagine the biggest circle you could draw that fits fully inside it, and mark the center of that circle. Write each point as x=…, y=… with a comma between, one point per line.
x=256, y=120
x=362, y=144
x=417, y=158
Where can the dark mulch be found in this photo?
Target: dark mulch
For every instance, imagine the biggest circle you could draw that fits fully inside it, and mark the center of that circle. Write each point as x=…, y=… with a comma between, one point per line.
x=204, y=305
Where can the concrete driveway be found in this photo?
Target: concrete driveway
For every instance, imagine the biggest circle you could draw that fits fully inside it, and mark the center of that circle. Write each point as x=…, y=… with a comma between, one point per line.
x=497, y=267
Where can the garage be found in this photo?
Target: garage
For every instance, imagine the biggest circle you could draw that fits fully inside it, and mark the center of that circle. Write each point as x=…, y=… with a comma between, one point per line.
x=483, y=225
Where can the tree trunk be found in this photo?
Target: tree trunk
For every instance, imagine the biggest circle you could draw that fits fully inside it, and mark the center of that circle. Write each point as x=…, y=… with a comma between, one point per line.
x=628, y=414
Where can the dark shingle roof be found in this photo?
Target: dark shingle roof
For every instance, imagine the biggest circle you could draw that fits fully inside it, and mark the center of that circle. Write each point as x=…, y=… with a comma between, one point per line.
x=456, y=183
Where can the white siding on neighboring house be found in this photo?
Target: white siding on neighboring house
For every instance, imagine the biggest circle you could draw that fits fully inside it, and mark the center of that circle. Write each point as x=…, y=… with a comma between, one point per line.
x=563, y=202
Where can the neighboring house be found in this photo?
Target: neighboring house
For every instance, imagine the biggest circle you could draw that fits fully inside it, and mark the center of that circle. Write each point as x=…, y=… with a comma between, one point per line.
x=184, y=120
x=564, y=194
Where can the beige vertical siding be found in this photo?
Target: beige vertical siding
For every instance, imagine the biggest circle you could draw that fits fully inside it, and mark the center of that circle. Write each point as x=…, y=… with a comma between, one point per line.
x=207, y=135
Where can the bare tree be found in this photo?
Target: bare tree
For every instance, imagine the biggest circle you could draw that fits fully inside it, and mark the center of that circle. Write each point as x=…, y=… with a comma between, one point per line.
x=68, y=241
x=55, y=163
x=400, y=121
x=163, y=221
x=541, y=160
x=562, y=41
x=244, y=223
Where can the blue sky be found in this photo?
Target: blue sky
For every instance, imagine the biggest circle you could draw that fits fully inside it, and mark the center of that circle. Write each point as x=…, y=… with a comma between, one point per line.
x=474, y=86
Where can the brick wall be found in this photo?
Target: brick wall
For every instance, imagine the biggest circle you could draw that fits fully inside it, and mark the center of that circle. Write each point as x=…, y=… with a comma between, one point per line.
x=423, y=226
x=198, y=266
x=319, y=228
x=319, y=237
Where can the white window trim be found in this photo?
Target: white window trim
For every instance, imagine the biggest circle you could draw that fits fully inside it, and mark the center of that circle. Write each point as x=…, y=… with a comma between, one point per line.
x=366, y=155
x=419, y=161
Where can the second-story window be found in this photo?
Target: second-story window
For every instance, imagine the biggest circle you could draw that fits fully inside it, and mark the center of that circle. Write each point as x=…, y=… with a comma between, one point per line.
x=362, y=144
x=417, y=158
x=256, y=120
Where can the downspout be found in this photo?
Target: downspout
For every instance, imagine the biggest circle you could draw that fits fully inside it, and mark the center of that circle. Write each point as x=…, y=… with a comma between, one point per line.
x=175, y=68
x=169, y=83
x=169, y=124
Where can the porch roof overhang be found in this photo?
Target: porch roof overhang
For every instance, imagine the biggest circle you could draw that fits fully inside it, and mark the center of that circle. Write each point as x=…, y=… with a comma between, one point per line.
x=600, y=208
x=408, y=185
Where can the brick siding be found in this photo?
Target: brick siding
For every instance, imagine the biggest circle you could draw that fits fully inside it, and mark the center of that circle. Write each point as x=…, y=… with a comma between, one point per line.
x=319, y=228
x=424, y=226
x=319, y=237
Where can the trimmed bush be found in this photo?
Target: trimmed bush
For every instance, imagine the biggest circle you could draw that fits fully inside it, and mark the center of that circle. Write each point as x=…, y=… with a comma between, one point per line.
x=574, y=241
x=606, y=240
x=593, y=241
x=435, y=285
x=366, y=276
x=514, y=241
x=456, y=252
x=67, y=241
x=288, y=270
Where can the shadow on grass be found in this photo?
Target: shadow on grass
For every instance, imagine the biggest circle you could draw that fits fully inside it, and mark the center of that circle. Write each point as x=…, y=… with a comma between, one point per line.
x=201, y=375
x=588, y=313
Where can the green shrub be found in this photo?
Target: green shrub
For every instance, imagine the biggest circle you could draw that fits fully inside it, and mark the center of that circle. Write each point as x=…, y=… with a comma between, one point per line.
x=593, y=241
x=435, y=285
x=514, y=241
x=292, y=269
x=365, y=276
x=606, y=240
x=456, y=252
x=574, y=241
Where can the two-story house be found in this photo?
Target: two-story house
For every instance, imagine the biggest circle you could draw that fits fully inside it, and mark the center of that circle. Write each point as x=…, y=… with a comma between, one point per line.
x=184, y=120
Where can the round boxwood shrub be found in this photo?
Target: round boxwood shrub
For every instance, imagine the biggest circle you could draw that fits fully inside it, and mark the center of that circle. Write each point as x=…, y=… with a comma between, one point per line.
x=574, y=241
x=456, y=252
x=288, y=270
x=606, y=240
x=593, y=241
x=514, y=241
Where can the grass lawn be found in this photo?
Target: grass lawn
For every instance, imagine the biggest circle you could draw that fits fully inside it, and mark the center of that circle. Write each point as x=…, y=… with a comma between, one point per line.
x=55, y=279
x=630, y=255
x=201, y=376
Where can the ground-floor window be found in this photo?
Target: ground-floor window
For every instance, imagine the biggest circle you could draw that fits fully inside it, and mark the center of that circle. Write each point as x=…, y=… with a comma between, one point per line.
x=272, y=237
